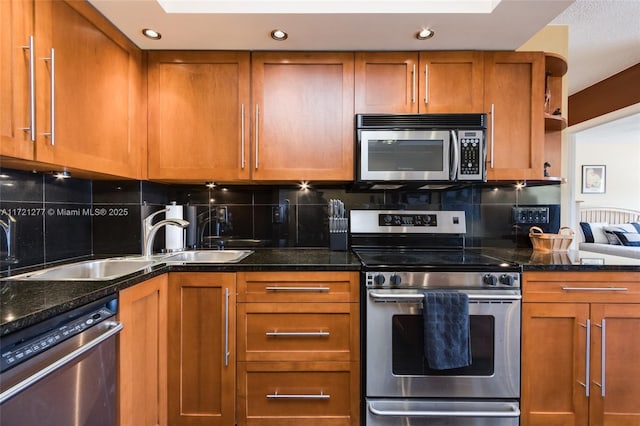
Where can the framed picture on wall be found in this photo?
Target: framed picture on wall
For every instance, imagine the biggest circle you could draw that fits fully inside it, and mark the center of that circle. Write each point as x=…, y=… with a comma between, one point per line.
x=593, y=179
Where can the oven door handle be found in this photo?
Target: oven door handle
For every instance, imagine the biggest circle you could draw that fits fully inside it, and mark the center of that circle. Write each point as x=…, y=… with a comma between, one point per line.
x=513, y=411
x=416, y=297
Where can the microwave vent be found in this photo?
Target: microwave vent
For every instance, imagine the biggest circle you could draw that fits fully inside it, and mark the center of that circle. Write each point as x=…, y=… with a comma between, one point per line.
x=421, y=121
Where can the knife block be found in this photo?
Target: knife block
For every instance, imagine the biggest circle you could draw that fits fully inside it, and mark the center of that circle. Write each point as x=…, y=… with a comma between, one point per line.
x=338, y=241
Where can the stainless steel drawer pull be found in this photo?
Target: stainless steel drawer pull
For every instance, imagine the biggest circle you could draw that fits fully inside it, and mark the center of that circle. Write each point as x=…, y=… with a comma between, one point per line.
x=603, y=358
x=297, y=333
x=277, y=395
x=274, y=288
x=512, y=412
x=595, y=288
x=587, y=364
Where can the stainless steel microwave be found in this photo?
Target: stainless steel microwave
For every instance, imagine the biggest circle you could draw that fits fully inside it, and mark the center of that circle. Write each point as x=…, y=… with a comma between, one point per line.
x=397, y=149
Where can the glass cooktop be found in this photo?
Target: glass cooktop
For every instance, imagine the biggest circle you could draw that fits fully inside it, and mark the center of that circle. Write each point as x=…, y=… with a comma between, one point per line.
x=398, y=258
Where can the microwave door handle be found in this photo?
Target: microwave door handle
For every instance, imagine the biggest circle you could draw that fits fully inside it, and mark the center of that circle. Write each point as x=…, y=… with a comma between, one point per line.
x=455, y=160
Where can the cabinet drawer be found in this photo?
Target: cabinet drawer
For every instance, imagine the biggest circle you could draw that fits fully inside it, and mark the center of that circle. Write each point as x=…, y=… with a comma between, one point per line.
x=298, y=286
x=298, y=332
x=287, y=394
x=581, y=287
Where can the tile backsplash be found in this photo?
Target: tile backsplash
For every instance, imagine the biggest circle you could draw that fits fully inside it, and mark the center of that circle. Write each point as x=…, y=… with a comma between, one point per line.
x=60, y=219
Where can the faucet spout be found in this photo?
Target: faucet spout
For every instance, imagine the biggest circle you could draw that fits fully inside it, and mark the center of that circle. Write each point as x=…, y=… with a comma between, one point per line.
x=9, y=228
x=150, y=230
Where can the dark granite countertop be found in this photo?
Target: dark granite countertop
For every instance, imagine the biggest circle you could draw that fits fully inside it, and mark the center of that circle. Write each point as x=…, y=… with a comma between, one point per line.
x=23, y=303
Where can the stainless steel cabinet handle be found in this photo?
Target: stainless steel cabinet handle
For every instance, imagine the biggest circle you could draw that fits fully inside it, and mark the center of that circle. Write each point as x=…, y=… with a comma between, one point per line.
x=226, y=327
x=595, y=288
x=416, y=298
x=319, y=289
x=114, y=327
x=493, y=130
x=603, y=359
x=426, y=84
x=297, y=333
x=242, y=136
x=587, y=355
x=257, y=125
x=413, y=84
x=32, y=93
x=52, y=111
x=514, y=412
x=277, y=395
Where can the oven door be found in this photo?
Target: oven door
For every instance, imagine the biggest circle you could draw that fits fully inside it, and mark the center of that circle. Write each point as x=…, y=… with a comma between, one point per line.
x=405, y=155
x=395, y=361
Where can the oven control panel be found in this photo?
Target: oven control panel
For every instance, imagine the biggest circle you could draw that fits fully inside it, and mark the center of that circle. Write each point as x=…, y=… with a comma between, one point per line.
x=379, y=279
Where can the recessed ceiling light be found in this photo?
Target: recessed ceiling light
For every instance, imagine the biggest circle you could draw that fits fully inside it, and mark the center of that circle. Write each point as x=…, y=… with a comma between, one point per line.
x=424, y=34
x=279, y=35
x=152, y=34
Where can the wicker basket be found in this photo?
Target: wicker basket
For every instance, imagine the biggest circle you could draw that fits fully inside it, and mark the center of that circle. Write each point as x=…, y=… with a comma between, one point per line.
x=551, y=242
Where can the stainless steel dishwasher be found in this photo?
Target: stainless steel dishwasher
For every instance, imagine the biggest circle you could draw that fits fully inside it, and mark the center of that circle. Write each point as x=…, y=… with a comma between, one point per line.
x=62, y=371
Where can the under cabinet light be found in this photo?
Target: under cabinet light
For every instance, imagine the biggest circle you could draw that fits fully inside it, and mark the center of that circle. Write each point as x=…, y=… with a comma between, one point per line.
x=61, y=175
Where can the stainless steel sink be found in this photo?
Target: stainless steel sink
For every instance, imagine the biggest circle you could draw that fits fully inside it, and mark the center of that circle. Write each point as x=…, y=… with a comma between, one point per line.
x=91, y=270
x=208, y=256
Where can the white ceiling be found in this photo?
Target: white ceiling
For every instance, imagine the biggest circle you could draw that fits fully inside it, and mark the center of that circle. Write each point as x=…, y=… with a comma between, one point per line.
x=604, y=35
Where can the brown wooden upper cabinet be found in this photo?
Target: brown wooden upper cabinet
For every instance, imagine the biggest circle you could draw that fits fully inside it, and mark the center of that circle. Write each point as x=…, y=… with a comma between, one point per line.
x=296, y=125
x=74, y=96
x=424, y=82
x=303, y=116
x=514, y=99
x=199, y=112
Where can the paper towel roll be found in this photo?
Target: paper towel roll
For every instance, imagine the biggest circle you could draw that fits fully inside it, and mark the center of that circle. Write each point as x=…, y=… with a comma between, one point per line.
x=174, y=235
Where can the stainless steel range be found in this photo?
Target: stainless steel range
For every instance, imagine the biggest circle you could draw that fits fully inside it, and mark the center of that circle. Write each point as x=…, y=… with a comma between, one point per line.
x=410, y=256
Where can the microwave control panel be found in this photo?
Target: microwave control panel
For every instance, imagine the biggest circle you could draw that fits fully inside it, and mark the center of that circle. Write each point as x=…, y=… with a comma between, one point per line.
x=471, y=144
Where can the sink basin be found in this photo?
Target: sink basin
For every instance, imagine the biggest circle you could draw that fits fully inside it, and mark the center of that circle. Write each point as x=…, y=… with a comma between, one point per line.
x=208, y=256
x=91, y=270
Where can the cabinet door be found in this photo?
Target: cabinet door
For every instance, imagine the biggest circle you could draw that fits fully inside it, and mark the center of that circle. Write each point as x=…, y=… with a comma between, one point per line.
x=16, y=28
x=199, y=116
x=303, y=116
x=615, y=369
x=554, y=347
x=514, y=96
x=143, y=353
x=202, y=359
x=451, y=82
x=386, y=82
x=98, y=107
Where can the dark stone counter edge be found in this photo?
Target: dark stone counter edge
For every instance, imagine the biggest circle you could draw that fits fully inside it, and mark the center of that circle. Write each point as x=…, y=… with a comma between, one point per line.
x=260, y=262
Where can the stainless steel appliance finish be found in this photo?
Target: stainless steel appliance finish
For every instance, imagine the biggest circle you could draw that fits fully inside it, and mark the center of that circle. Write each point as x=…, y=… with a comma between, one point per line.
x=404, y=254
x=409, y=148
x=62, y=372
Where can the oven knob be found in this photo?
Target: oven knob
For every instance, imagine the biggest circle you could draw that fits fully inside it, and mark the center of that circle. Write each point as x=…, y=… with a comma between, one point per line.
x=490, y=279
x=378, y=279
x=395, y=279
x=506, y=279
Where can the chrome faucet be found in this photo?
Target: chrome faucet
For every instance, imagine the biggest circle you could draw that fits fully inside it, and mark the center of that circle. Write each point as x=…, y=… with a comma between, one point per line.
x=149, y=231
x=9, y=228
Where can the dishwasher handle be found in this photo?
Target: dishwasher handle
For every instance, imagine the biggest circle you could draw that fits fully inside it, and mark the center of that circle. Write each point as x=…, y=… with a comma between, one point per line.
x=113, y=328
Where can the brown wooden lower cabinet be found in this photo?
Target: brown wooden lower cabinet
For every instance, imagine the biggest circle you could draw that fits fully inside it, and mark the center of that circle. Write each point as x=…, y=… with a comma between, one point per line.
x=201, y=355
x=298, y=349
x=292, y=393
x=581, y=349
x=142, y=380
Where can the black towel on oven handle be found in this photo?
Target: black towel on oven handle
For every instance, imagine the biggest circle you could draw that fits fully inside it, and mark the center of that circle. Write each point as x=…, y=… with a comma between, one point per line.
x=447, y=342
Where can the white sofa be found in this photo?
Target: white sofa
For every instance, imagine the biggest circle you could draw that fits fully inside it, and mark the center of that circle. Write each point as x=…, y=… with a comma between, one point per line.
x=609, y=230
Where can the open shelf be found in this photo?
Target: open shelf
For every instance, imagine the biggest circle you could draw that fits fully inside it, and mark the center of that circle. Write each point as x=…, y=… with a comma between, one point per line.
x=555, y=65
x=554, y=122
